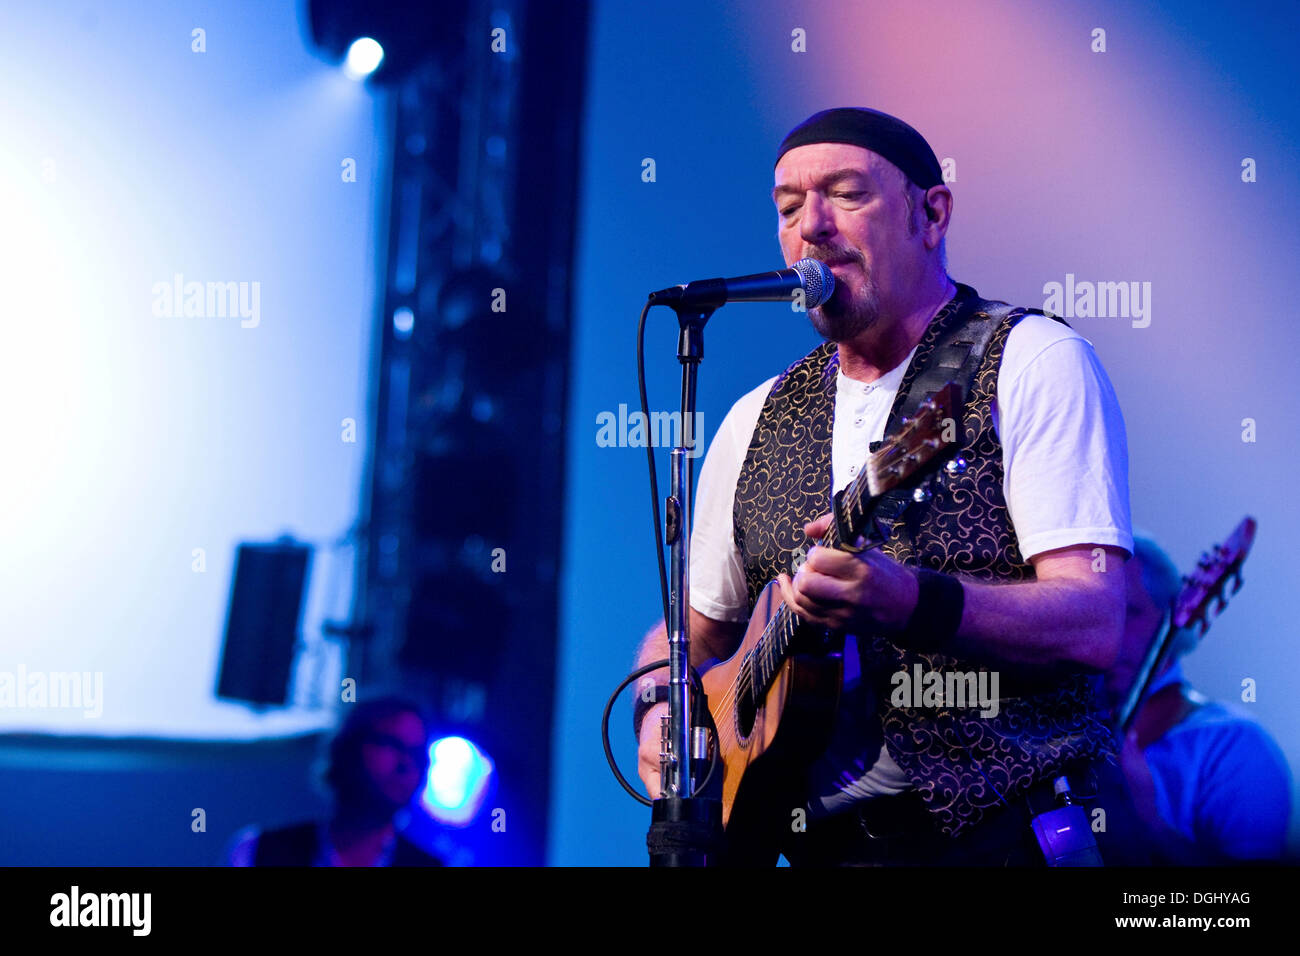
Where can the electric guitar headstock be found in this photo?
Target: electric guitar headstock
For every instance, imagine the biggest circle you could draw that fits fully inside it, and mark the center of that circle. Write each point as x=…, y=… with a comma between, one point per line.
x=1206, y=586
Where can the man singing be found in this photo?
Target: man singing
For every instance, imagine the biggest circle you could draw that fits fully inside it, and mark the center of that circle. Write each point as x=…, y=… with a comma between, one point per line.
x=1015, y=566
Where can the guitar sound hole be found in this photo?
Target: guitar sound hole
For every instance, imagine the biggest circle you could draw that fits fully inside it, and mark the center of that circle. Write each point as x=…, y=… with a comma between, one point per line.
x=746, y=706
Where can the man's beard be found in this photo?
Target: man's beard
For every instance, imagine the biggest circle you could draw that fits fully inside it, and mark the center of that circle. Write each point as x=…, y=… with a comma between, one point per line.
x=850, y=311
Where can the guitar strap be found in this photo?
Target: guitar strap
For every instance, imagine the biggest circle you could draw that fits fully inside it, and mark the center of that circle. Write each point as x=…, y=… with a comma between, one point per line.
x=956, y=358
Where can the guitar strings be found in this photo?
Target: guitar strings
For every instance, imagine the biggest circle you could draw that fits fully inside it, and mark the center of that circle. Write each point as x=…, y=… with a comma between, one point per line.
x=765, y=649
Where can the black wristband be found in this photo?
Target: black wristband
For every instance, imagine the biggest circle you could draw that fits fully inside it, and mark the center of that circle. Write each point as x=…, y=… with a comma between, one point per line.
x=940, y=601
x=643, y=706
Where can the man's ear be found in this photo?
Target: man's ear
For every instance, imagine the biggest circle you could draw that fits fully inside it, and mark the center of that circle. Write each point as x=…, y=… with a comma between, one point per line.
x=937, y=203
x=931, y=213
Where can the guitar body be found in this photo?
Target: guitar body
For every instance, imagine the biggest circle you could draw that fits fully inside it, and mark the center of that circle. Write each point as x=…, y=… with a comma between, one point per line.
x=763, y=770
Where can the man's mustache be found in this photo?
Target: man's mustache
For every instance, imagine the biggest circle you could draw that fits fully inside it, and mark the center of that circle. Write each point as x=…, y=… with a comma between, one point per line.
x=834, y=257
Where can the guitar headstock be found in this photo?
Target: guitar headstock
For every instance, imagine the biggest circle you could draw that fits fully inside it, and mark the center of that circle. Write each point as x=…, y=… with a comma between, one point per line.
x=1206, y=585
x=932, y=432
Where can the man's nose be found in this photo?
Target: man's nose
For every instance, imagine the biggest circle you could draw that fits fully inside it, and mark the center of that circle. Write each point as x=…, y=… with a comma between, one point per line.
x=818, y=220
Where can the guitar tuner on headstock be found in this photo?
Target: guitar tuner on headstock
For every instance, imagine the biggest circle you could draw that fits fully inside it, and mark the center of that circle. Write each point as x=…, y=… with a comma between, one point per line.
x=955, y=466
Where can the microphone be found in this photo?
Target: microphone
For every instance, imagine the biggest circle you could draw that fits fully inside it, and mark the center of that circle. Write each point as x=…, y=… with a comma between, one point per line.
x=811, y=275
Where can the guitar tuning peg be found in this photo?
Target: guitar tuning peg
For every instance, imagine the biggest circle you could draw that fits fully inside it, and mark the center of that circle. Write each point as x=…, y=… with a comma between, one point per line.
x=1236, y=582
x=1223, y=603
x=955, y=466
x=922, y=493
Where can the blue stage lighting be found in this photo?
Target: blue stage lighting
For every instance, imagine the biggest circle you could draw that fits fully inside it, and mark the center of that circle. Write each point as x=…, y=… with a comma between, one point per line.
x=364, y=57
x=403, y=323
x=459, y=775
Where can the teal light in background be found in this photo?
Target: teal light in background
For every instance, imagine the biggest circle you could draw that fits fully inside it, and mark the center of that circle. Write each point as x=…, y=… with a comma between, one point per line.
x=459, y=777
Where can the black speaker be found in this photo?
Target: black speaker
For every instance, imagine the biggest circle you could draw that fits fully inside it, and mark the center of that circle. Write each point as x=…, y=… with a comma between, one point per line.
x=262, y=623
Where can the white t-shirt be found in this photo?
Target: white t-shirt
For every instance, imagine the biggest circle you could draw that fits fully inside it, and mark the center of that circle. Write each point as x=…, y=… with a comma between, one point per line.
x=1065, y=462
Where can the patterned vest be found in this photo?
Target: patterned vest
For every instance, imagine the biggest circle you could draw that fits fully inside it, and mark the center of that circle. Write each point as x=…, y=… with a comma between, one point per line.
x=960, y=762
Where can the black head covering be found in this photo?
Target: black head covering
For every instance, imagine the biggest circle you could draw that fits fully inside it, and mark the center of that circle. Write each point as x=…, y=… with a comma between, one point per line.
x=879, y=132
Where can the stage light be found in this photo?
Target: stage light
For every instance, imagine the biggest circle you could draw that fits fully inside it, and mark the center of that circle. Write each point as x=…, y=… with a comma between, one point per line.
x=364, y=57
x=459, y=774
x=403, y=323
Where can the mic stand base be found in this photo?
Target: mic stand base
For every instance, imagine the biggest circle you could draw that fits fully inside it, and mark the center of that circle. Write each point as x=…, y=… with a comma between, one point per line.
x=685, y=832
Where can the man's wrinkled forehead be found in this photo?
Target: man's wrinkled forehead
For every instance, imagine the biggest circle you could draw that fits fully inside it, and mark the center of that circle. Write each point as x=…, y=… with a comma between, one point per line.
x=820, y=165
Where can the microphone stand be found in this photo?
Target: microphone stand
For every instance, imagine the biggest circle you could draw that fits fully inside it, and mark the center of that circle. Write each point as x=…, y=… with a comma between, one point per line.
x=685, y=829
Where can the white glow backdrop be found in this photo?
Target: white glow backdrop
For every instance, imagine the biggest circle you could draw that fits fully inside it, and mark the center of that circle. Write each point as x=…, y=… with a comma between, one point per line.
x=132, y=439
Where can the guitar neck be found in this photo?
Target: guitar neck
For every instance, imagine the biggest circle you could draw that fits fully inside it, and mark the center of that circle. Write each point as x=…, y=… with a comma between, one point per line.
x=774, y=646
x=1145, y=676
